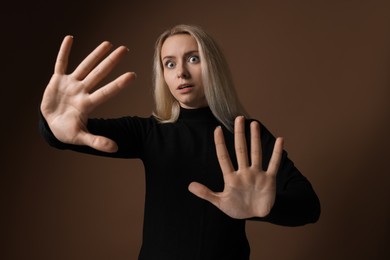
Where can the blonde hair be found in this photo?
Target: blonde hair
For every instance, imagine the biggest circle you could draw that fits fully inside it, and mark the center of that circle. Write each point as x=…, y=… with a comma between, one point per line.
x=217, y=81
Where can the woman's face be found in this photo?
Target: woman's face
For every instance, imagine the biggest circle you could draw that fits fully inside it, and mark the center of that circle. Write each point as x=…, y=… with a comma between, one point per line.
x=182, y=70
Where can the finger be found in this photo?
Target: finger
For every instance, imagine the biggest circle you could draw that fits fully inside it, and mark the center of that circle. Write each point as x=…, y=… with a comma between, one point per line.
x=99, y=143
x=91, y=60
x=256, y=152
x=274, y=163
x=111, y=89
x=222, y=152
x=203, y=192
x=105, y=67
x=240, y=142
x=63, y=55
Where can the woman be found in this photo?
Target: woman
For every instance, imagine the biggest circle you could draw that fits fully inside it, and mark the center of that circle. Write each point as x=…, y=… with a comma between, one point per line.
x=204, y=179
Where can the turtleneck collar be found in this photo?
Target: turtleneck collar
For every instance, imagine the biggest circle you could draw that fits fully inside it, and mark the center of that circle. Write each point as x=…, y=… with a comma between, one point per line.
x=203, y=113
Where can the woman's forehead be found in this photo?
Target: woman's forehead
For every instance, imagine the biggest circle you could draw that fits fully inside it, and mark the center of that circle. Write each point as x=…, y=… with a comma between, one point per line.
x=178, y=44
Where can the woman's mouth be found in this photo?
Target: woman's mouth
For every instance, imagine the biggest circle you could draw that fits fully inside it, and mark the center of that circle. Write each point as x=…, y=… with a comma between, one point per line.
x=184, y=86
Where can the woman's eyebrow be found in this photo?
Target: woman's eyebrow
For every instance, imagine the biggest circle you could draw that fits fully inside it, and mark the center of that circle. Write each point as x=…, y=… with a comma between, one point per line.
x=168, y=57
x=185, y=54
x=191, y=53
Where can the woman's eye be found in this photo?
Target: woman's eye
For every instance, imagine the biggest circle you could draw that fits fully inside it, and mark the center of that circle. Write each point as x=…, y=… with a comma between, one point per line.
x=193, y=59
x=170, y=64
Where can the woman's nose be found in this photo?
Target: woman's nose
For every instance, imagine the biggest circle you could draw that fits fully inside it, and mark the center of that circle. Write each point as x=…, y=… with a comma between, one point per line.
x=182, y=72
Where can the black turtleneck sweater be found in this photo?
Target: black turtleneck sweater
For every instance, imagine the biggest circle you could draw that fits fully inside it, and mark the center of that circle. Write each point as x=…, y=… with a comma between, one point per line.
x=177, y=224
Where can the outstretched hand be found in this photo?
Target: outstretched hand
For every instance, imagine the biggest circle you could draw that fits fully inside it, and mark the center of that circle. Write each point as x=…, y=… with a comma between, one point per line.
x=249, y=191
x=67, y=100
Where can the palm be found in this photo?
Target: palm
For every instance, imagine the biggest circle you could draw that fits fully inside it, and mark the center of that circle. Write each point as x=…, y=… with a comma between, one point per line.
x=249, y=191
x=67, y=100
x=66, y=116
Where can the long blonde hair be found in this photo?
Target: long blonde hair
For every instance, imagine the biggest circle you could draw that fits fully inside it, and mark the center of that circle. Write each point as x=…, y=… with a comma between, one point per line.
x=217, y=81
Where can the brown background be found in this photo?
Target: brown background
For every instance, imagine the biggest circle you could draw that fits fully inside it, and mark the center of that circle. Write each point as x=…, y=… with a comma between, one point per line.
x=315, y=72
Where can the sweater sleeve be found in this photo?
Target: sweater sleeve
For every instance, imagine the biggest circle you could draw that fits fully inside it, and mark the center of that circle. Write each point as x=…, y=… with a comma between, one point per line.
x=127, y=132
x=296, y=202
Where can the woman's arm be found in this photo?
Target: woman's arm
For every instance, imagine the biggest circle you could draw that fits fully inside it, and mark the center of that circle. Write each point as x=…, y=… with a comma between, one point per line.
x=296, y=202
x=128, y=133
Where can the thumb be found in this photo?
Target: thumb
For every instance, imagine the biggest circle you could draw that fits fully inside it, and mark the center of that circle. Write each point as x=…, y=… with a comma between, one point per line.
x=100, y=143
x=203, y=192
